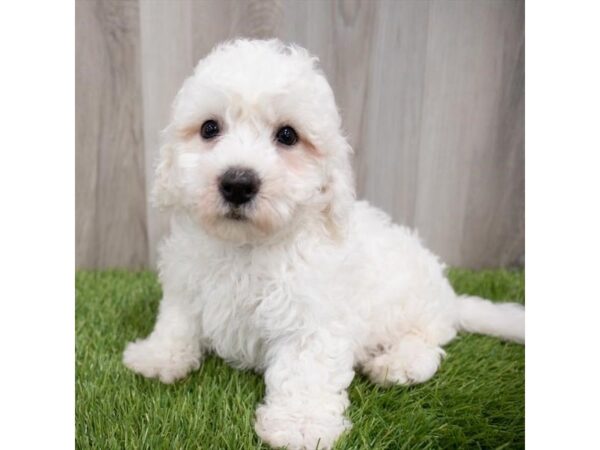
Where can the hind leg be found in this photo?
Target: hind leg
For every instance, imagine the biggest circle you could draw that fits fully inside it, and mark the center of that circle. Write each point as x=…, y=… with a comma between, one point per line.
x=409, y=361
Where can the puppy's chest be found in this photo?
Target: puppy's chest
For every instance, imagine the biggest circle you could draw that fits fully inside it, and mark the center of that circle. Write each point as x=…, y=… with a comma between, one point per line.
x=239, y=303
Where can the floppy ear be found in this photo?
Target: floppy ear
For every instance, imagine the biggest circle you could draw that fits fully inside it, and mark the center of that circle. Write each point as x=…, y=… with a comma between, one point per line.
x=165, y=188
x=340, y=189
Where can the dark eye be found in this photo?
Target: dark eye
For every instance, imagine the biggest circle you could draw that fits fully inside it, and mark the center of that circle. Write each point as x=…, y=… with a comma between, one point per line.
x=209, y=129
x=286, y=136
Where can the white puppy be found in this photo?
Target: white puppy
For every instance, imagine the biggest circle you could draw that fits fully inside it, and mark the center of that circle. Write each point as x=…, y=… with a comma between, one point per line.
x=272, y=264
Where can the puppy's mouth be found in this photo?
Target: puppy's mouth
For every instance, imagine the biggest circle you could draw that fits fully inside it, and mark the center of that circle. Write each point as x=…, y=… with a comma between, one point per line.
x=236, y=214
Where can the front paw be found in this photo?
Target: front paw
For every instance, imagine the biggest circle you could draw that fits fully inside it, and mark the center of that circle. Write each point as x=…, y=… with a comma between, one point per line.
x=301, y=428
x=168, y=361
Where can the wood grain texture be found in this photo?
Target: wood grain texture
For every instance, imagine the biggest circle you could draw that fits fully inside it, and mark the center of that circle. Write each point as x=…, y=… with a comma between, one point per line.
x=387, y=155
x=470, y=46
x=431, y=93
x=110, y=172
x=166, y=46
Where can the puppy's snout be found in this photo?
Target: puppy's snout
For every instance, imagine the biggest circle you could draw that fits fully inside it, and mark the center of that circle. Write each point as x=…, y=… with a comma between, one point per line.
x=239, y=185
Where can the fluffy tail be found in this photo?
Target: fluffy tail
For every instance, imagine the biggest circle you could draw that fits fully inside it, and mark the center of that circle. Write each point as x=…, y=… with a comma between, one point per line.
x=504, y=320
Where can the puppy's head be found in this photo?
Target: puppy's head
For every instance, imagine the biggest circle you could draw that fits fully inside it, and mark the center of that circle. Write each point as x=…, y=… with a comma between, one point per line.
x=255, y=145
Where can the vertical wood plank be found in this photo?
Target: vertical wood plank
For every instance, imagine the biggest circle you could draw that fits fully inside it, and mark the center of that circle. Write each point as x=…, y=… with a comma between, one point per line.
x=494, y=229
x=353, y=29
x=87, y=133
x=110, y=175
x=386, y=164
x=166, y=43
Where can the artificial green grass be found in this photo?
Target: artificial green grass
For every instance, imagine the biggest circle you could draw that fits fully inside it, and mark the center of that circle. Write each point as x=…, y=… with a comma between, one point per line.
x=476, y=399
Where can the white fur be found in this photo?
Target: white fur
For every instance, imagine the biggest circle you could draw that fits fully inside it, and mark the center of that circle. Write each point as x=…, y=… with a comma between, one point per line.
x=314, y=284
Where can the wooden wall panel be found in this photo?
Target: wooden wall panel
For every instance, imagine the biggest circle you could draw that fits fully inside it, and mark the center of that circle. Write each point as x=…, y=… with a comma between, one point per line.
x=387, y=156
x=468, y=47
x=431, y=93
x=110, y=171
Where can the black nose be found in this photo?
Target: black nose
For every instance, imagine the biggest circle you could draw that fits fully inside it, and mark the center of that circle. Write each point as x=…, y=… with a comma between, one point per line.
x=239, y=186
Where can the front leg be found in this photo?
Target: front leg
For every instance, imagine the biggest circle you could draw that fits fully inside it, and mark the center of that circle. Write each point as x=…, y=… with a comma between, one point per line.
x=306, y=381
x=173, y=349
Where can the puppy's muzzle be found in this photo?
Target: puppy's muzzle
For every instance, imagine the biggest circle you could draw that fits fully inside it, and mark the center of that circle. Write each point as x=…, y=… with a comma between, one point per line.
x=239, y=185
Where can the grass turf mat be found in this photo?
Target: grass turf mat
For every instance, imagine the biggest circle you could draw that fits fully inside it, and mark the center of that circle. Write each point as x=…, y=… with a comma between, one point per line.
x=476, y=399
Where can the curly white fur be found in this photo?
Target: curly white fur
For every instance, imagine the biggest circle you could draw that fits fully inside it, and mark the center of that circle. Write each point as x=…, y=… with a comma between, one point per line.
x=312, y=284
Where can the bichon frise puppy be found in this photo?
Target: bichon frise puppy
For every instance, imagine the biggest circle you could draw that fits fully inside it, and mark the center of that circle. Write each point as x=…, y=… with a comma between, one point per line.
x=273, y=265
